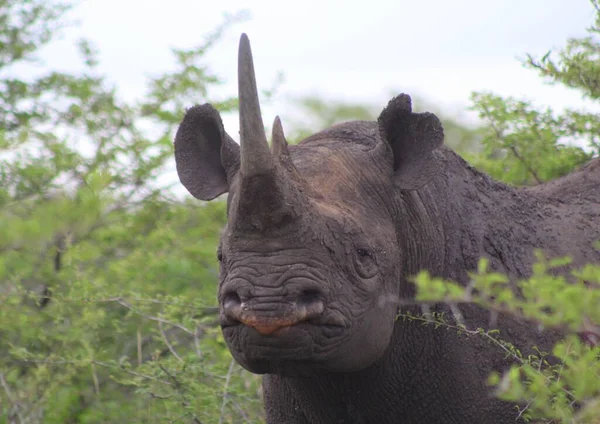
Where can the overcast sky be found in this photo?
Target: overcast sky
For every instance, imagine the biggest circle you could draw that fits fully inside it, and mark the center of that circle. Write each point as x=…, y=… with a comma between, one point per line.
x=353, y=50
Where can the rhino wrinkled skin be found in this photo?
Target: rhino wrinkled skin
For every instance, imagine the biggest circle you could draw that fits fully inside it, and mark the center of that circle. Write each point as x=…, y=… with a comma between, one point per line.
x=321, y=241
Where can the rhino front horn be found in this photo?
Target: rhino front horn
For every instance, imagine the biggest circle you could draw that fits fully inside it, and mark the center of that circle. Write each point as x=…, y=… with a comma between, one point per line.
x=268, y=194
x=255, y=156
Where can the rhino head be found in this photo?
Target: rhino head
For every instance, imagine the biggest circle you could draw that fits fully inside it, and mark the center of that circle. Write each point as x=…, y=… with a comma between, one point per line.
x=312, y=251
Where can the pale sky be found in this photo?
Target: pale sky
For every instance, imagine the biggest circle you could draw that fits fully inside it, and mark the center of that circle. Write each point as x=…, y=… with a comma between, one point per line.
x=359, y=51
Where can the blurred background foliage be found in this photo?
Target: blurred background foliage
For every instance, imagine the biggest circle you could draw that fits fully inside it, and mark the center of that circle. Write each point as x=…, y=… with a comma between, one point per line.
x=108, y=279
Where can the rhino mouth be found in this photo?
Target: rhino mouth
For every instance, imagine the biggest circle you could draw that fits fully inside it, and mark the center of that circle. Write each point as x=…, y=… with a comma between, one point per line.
x=274, y=314
x=282, y=330
x=304, y=345
x=282, y=334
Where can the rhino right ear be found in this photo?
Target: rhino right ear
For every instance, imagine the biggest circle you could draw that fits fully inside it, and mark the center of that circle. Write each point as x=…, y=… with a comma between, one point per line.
x=412, y=137
x=207, y=157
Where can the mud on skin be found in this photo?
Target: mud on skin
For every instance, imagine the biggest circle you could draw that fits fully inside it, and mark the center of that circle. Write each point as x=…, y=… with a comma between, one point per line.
x=322, y=237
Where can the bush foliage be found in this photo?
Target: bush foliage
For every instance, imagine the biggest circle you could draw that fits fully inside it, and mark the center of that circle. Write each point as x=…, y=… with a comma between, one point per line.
x=108, y=280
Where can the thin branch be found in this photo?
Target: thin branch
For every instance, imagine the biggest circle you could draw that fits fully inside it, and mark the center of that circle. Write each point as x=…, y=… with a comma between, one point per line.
x=178, y=387
x=524, y=409
x=97, y=363
x=589, y=332
x=521, y=159
x=166, y=340
x=457, y=314
x=486, y=334
x=242, y=412
x=125, y=304
x=139, y=347
x=95, y=378
x=513, y=149
x=10, y=398
x=197, y=347
x=225, y=389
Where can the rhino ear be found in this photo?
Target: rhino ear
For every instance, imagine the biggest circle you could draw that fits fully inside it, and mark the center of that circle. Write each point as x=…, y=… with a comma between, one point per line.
x=207, y=158
x=412, y=137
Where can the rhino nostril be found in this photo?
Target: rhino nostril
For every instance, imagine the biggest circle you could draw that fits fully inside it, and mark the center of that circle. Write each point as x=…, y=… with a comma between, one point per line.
x=310, y=296
x=231, y=300
x=311, y=302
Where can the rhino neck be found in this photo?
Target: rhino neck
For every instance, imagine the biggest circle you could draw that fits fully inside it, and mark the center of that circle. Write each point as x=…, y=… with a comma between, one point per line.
x=463, y=215
x=421, y=234
x=400, y=387
x=381, y=393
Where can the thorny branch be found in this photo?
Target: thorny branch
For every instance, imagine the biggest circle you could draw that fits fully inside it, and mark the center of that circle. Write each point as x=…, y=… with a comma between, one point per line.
x=127, y=305
x=488, y=336
x=589, y=331
x=177, y=385
x=94, y=362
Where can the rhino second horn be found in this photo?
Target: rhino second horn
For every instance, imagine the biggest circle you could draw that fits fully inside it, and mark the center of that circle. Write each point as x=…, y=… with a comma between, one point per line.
x=255, y=156
x=279, y=145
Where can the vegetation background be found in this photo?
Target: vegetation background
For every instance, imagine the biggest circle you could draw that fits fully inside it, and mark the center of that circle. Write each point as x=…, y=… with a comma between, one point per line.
x=108, y=279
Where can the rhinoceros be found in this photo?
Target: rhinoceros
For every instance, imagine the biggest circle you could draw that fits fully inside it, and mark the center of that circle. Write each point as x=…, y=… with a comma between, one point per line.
x=323, y=237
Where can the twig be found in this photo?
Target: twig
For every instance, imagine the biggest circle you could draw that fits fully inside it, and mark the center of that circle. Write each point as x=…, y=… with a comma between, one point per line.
x=11, y=399
x=487, y=335
x=97, y=363
x=589, y=332
x=524, y=409
x=225, y=389
x=242, y=412
x=125, y=304
x=457, y=314
x=500, y=137
x=197, y=347
x=178, y=387
x=521, y=159
x=166, y=340
x=95, y=378
x=139, y=347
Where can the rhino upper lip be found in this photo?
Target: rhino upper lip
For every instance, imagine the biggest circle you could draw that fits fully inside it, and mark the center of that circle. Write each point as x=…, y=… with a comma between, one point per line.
x=320, y=321
x=281, y=331
x=270, y=316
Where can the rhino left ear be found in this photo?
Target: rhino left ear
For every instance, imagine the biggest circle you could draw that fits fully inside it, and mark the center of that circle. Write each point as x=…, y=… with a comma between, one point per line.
x=412, y=137
x=207, y=158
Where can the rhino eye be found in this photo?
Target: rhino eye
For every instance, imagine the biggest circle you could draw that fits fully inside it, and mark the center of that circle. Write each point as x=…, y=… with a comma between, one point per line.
x=219, y=254
x=363, y=253
x=365, y=263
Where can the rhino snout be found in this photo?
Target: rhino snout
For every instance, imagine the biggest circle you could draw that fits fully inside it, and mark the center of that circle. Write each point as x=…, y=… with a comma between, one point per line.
x=267, y=314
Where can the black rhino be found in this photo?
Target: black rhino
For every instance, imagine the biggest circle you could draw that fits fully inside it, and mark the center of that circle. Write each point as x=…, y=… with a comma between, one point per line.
x=323, y=236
